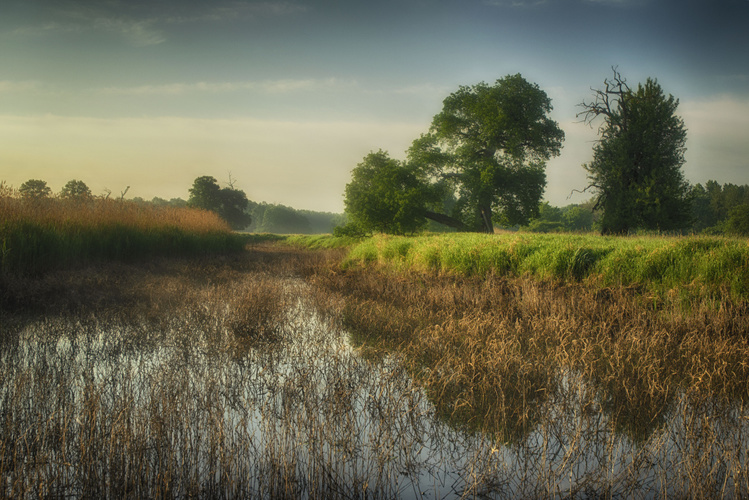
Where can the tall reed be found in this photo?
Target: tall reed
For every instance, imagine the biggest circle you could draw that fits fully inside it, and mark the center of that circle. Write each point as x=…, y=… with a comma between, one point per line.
x=40, y=235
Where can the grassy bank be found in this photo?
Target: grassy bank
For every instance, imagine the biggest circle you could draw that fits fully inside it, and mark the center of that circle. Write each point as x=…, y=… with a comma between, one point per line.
x=42, y=235
x=678, y=267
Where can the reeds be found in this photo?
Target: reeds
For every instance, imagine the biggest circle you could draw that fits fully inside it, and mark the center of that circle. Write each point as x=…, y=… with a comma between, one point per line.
x=520, y=360
x=230, y=377
x=40, y=235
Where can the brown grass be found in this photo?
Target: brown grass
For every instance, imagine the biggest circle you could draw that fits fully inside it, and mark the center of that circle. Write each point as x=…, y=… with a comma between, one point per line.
x=491, y=350
x=219, y=378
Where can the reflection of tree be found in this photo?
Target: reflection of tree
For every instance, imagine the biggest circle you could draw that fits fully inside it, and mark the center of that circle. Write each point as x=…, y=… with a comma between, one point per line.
x=477, y=378
x=634, y=409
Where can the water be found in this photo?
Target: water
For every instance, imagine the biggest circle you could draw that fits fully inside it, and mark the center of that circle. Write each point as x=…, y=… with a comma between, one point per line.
x=180, y=405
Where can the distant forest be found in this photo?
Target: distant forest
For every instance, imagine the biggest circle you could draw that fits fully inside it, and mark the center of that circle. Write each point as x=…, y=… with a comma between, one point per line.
x=716, y=209
x=274, y=218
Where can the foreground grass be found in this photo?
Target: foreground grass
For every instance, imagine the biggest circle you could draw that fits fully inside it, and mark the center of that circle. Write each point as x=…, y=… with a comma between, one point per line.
x=227, y=377
x=37, y=236
x=681, y=268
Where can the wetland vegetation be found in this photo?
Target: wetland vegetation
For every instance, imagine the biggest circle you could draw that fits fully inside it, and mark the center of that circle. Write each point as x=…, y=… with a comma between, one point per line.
x=284, y=372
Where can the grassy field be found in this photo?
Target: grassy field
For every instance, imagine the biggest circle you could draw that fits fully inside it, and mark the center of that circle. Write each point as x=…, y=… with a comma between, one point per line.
x=684, y=268
x=42, y=235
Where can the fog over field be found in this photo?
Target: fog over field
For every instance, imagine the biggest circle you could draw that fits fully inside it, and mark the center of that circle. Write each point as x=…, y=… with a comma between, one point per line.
x=289, y=96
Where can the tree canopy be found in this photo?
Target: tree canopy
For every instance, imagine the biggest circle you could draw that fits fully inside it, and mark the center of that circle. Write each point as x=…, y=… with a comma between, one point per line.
x=35, y=189
x=484, y=158
x=386, y=196
x=636, y=168
x=75, y=190
x=229, y=203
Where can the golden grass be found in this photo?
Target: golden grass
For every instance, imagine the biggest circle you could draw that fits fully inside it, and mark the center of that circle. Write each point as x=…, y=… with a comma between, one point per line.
x=491, y=350
x=40, y=235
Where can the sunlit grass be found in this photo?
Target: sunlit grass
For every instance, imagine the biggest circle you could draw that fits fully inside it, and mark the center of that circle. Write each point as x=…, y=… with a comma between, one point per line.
x=683, y=268
x=40, y=235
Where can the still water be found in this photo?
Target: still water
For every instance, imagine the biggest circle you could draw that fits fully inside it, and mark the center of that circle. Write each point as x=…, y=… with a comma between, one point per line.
x=179, y=405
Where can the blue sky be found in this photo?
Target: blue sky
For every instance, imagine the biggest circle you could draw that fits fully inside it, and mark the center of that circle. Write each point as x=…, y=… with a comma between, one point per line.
x=290, y=96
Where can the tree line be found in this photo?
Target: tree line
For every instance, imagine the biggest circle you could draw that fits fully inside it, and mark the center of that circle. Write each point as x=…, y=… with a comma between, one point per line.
x=482, y=162
x=230, y=203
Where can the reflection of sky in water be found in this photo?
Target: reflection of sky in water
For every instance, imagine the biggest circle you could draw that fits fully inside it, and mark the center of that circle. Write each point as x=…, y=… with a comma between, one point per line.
x=190, y=393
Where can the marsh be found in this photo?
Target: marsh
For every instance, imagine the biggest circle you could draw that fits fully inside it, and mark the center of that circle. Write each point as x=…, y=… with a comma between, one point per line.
x=274, y=373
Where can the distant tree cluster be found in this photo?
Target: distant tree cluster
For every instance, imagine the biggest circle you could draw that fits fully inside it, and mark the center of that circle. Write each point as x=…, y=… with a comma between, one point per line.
x=229, y=203
x=720, y=209
x=280, y=219
x=572, y=218
x=74, y=190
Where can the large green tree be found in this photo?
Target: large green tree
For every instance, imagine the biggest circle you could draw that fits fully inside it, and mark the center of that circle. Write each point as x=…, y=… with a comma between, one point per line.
x=636, y=168
x=229, y=203
x=491, y=145
x=482, y=161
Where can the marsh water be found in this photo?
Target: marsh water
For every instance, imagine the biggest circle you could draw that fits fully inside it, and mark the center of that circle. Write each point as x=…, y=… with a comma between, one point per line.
x=182, y=404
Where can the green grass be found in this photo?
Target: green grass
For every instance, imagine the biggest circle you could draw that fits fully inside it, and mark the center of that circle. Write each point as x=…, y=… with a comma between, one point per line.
x=701, y=267
x=320, y=241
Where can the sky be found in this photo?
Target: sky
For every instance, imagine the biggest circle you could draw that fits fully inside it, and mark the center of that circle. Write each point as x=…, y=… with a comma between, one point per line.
x=286, y=97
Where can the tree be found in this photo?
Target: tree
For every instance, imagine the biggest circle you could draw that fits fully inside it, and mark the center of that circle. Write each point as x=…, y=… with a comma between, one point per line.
x=75, y=190
x=230, y=204
x=490, y=145
x=738, y=220
x=34, y=189
x=281, y=219
x=636, y=168
x=386, y=196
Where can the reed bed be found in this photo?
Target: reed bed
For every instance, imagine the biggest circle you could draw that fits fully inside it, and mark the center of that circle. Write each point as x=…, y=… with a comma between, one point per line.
x=642, y=390
x=37, y=236
x=232, y=377
x=663, y=268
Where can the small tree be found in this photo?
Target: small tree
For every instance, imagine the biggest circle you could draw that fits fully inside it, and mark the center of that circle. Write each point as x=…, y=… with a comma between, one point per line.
x=34, y=189
x=230, y=204
x=386, y=196
x=636, y=168
x=75, y=190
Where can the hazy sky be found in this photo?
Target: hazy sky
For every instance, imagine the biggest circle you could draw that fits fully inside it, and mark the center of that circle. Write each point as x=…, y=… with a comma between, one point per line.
x=289, y=96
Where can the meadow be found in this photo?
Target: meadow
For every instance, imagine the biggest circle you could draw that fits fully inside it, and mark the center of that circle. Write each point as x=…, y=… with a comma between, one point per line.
x=438, y=366
x=40, y=235
x=686, y=268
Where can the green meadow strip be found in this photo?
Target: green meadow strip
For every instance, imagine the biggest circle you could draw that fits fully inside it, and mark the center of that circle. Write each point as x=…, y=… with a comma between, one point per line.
x=702, y=267
x=320, y=241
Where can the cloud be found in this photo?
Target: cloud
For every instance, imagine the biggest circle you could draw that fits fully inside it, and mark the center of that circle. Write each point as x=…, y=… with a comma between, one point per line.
x=239, y=10
x=516, y=3
x=8, y=86
x=139, y=33
x=267, y=86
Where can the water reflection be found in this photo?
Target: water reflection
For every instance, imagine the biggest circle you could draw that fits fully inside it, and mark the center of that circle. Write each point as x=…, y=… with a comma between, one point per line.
x=186, y=404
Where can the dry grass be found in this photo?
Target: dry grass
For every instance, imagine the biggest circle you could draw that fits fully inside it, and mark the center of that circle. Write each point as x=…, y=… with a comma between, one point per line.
x=219, y=378
x=491, y=349
x=37, y=236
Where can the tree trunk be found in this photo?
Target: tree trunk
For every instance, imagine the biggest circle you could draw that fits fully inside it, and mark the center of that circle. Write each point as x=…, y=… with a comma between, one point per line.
x=486, y=219
x=446, y=220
